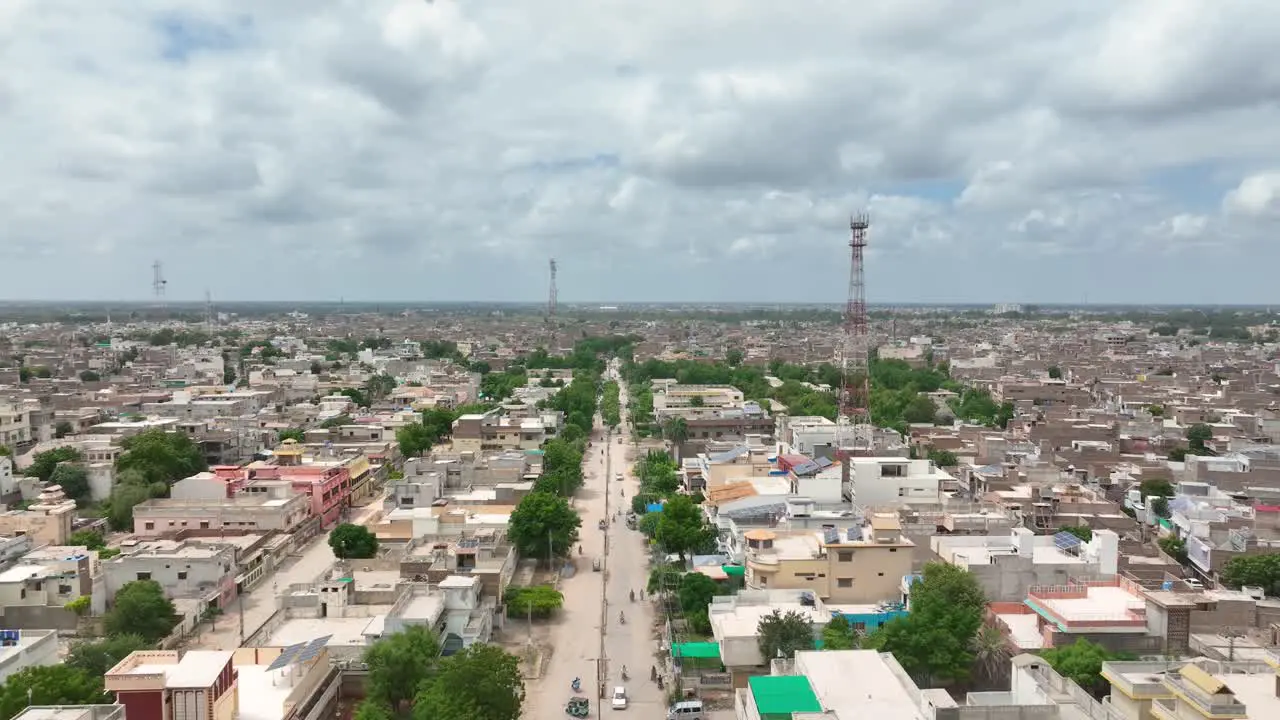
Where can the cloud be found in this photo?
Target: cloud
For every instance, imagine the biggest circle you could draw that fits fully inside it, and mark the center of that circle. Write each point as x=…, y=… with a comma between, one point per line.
x=688, y=152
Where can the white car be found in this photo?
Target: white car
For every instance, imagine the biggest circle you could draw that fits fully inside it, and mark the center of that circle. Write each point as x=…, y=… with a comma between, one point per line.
x=619, y=698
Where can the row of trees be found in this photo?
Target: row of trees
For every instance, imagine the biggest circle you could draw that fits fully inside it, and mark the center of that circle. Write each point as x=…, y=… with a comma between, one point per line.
x=408, y=677
x=611, y=404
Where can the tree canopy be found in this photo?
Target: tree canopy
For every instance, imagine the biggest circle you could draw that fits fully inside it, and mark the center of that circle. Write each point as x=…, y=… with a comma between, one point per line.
x=141, y=608
x=681, y=528
x=350, y=541
x=839, y=634
x=543, y=523
x=539, y=601
x=1258, y=570
x=1197, y=437
x=933, y=642
x=780, y=634
x=399, y=663
x=1082, y=662
x=414, y=439
x=74, y=481
x=49, y=685
x=161, y=457
x=480, y=683
x=96, y=657
x=44, y=463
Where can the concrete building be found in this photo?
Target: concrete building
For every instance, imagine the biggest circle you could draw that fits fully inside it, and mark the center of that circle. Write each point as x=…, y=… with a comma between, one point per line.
x=15, y=425
x=890, y=482
x=163, y=685
x=71, y=712
x=47, y=520
x=1198, y=690
x=493, y=431
x=245, y=513
x=735, y=621
x=26, y=648
x=669, y=394
x=862, y=565
x=184, y=569
x=1112, y=613
x=1008, y=565
x=48, y=577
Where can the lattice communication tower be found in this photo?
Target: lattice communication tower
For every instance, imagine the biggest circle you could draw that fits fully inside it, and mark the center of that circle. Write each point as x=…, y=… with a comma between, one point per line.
x=853, y=424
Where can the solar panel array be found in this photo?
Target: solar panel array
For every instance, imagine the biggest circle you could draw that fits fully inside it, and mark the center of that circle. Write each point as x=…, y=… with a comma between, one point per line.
x=299, y=653
x=1066, y=541
x=830, y=536
x=469, y=543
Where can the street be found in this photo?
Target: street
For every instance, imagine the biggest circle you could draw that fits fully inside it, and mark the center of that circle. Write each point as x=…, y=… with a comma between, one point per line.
x=259, y=603
x=594, y=598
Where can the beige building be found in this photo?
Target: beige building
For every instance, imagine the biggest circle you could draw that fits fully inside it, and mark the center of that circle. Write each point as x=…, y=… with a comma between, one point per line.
x=864, y=565
x=492, y=431
x=1200, y=690
x=47, y=521
x=669, y=395
x=244, y=513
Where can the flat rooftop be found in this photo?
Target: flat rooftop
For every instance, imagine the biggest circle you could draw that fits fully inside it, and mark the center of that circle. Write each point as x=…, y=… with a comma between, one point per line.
x=263, y=692
x=1257, y=692
x=197, y=669
x=345, y=631
x=1105, y=603
x=744, y=620
x=858, y=679
x=1040, y=555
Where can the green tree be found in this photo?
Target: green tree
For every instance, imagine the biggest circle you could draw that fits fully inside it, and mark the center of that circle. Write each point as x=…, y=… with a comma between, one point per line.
x=1055, y=372
x=839, y=635
x=124, y=496
x=543, y=524
x=921, y=409
x=399, y=664
x=480, y=683
x=357, y=396
x=161, y=457
x=49, y=685
x=96, y=657
x=943, y=458
x=781, y=634
x=351, y=541
x=681, y=528
x=90, y=376
x=337, y=421
x=1178, y=454
x=439, y=423
x=141, y=607
x=414, y=440
x=696, y=592
x=676, y=431
x=990, y=654
x=1198, y=435
x=294, y=434
x=734, y=357
x=91, y=539
x=1257, y=570
x=1174, y=547
x=540, y=601
x=63, y=429
x=1082, y=662
x=44, y=463
x=1160, y=506
x=1084, y=532
x=1157, y=487
x=74, y=481
x=933, y=642
x=372, y=710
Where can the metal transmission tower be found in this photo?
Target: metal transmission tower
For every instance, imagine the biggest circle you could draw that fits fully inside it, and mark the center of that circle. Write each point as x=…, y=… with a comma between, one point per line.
x=158, y=282
x=208, y=312
x=853, y=425
x=551, y=292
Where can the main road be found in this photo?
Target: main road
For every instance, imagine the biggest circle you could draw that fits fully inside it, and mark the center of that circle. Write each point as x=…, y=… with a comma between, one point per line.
x=589, y=641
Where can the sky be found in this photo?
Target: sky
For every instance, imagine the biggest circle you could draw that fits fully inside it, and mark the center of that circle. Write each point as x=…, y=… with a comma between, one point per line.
x=666, y=150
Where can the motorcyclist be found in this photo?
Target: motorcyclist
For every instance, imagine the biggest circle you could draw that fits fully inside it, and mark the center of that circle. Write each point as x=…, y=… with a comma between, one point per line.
x=622, y=618
x=624, y=673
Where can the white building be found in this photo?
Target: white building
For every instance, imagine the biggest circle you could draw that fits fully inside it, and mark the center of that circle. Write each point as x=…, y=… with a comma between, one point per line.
x=1007, y=565
x=21, y=649
x=895, y=481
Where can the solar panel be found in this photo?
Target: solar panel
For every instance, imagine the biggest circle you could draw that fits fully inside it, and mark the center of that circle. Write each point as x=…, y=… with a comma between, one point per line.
x=286, y=656
x=830, y=536
x=469, y=543
x=313, y=649
x=1066, y=541
x=823, y=462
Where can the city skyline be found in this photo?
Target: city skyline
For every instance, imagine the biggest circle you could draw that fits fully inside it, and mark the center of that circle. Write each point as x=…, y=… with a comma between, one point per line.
x=408, y=151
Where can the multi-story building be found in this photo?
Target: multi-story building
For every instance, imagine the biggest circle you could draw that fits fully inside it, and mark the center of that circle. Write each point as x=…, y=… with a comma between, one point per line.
x=881, y=482
x=1199, y=690
x=493, y=431
x=184, y=569
x=669, y=394
x=15, y=425
x=244, y=513
x=863, y=565
x=47, y=520
x=163, y=685
x=1008, y=565
x=50, y=576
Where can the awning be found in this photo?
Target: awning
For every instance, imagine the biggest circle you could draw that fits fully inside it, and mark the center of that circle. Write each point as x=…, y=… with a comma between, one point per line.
x=734, y=570
x=696, y=650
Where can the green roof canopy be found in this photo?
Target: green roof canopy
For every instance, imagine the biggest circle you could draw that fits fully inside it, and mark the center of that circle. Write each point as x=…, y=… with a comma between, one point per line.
x=783, y=695
x=734, y=570
x=696, y=650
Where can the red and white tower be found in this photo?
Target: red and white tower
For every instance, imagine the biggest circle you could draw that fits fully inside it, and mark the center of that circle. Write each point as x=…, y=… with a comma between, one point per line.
x=853, y=424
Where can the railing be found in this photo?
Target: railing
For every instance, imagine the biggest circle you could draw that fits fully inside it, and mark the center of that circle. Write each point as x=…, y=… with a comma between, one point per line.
x=1192, y=693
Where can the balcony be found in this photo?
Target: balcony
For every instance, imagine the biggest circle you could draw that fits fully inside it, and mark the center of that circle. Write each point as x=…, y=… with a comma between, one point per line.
x=1222, y=706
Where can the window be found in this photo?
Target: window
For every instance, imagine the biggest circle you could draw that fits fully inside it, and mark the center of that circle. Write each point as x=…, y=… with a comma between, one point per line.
x=845, y=556
x=204, y=524
x=150, y=526
x=893, y=471
x=844, y=582
x=880, y=574
x=183, y=575
x=144, y=576
x=64, y=589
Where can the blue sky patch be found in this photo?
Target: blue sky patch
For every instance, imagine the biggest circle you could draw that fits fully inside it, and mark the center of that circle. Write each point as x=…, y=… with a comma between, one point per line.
x=184, y=36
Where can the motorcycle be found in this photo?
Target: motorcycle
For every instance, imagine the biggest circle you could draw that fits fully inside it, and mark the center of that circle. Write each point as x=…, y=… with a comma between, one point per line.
x=625, y=677
x=622, y=619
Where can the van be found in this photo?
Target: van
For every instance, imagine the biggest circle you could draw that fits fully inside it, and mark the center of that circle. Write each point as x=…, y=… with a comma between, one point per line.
x=687, y=710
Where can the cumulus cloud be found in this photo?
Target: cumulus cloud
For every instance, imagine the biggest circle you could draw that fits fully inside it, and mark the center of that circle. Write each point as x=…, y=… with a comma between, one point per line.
x=687, y=152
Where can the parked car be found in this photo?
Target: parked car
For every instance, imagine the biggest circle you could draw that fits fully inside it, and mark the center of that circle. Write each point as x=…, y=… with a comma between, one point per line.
x=619, y=698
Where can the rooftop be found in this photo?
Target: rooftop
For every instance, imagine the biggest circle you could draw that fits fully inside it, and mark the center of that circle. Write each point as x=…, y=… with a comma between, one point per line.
x=861, y=682
x=262, y=692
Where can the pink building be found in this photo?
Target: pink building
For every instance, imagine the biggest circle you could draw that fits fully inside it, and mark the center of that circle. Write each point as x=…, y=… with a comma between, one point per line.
x=326, y=483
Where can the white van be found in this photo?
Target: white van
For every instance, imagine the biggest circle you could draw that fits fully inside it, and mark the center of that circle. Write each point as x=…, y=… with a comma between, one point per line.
x=687, y=710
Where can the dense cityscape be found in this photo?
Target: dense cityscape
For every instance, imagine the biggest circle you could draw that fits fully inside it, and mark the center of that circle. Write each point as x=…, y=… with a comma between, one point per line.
x=713, y=360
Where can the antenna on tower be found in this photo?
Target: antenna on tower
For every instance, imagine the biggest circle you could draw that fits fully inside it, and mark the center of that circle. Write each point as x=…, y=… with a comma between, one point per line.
x=551, y=292
x=853, y=424
x=158, y=282
x=208, y=312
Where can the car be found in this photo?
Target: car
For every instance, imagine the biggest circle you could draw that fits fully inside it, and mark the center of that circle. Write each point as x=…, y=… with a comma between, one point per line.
x=1194, y=584
x=619, y=698
x=617, y=477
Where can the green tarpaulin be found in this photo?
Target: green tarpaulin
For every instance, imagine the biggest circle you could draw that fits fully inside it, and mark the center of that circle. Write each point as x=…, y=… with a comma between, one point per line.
x=696, y=650
x=782, y=695
x=734, y=570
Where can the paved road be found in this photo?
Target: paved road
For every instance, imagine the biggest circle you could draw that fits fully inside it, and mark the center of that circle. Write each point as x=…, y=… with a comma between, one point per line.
x=578, y=638
x=259, y=603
